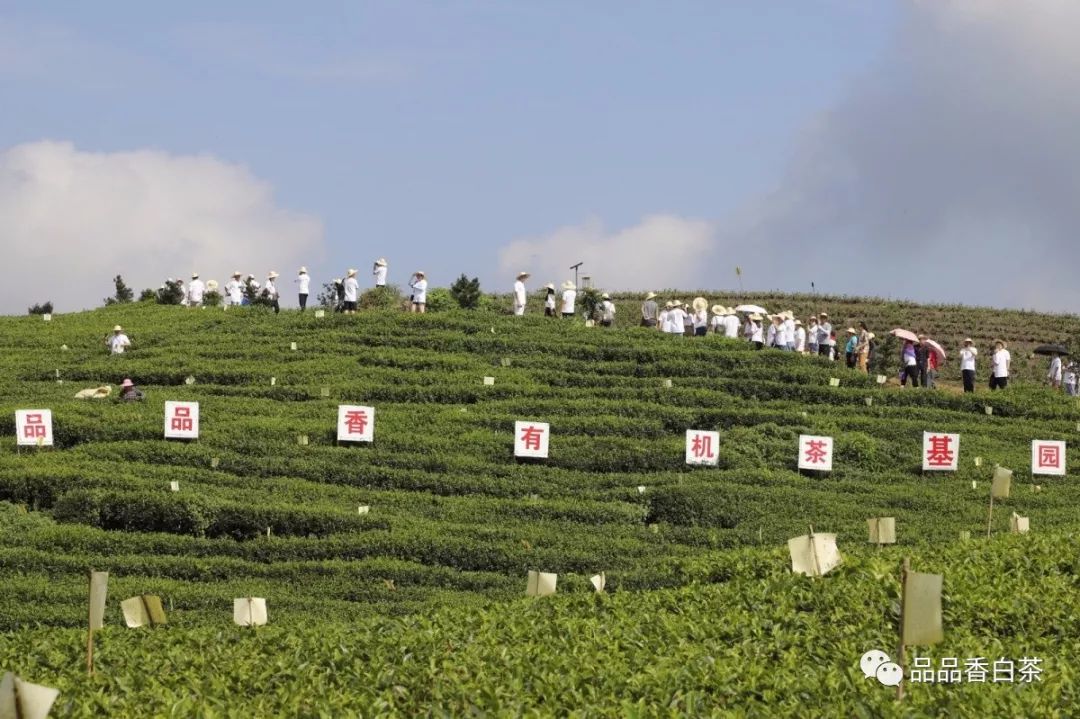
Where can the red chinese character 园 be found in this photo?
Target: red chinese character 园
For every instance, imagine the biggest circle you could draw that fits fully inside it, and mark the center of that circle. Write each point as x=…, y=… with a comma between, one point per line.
x=816, y=452
x=530, y=436
x=701, y=446
x=35, y=426
x=1049, y=456
x=356, y=421
x=940, y=454
x=182, y=419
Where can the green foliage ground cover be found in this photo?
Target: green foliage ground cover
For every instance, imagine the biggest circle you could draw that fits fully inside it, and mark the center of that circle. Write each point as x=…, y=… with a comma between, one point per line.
x=455, y=521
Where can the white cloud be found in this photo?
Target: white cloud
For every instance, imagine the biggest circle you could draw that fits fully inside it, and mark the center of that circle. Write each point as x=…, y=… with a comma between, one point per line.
x=71, y=220
x=660, y=251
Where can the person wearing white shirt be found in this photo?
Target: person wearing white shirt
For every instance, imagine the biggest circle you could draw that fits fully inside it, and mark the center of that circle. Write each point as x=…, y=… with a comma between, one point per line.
x=1054, y=375
x=569, y=296
x=183, y=291
x=789, y=330
x=1070, y=379
x=800, y=337
x=352, y=290
x=731, y=323
x=754, y=332
x=999, y=366
x=519, y=293
x=195, y=291
x=303, y=280
x=418, y=282
x=549, y=300
x=379, y=272
x=716, y=324
x=676, y=319
x=662, y=318
x=607, y=310
x=270, y=291
x=826, y=342
x=701, y=322
x=772, y=332
x=234, y=290
x=117, y=342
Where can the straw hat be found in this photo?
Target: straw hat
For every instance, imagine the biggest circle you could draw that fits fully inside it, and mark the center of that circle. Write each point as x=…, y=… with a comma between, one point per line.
x=194, y=275
x=127, y=383
x=605, y=296
x=650, y=296
x=568, y=285
x=302, y=271
x=755, y=317
x=870, y=335
x=550, y=286
x=1003, y=343
x=699, y=304
x=118, y=328
x=211, y=284
x=719, y=310
x=730, y=311
x=668, y=305
x=420, y=273
x=823, y=314
x=798, y=323
x=351, y=273
x=238, y=273
x=273, y=275
x=851, y=330
x=968, y=340
x=381, y=262
x=523, y=275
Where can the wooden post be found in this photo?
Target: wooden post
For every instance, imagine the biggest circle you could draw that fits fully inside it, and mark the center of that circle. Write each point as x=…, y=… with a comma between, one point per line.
x=900, y=649
x=813, y=553
x=990, y=514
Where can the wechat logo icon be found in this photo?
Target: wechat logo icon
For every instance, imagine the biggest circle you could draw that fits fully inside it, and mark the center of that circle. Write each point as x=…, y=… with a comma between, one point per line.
x=876, y=663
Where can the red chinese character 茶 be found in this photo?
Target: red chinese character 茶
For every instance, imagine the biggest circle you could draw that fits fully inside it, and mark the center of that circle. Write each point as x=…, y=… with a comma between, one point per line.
x=816, y=452
x=356, y=421
x=35, y=426
x=181, y=420
x=531, y=436
x=1049, y=456
x=940, y=453
x=701, y=446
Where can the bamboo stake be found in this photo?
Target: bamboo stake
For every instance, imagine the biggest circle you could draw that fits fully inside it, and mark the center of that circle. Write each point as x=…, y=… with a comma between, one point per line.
x=990, y=514
x=900, y=660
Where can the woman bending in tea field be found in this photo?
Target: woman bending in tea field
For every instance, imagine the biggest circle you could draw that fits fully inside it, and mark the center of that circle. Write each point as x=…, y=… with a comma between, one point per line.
x=129, y=392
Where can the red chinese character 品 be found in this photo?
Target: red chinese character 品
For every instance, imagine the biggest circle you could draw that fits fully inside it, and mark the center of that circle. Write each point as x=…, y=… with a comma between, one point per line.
x=35, y=426
x=181, y=419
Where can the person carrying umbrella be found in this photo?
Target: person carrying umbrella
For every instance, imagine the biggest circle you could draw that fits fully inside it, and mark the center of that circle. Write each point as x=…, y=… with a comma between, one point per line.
x=968, y=353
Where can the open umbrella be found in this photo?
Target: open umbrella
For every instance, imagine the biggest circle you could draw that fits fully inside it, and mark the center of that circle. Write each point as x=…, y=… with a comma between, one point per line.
x=1051, y=349
x=938, y=349
x=904, y=334
x=752, y=309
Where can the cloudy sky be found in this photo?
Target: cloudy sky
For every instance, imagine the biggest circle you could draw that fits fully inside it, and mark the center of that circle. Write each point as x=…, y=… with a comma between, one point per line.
x=922, y=149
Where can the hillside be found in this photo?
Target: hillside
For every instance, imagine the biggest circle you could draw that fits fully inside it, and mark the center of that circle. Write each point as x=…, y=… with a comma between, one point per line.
x=455, y=522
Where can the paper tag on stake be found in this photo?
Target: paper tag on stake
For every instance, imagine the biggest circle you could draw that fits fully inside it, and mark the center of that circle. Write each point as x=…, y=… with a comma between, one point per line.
x=814, y=555
x=922, y=610
x=599, y=581
x=363, y=509
x=882, y=379
x=292, y=346
x=988, y=409
x=541, y=584
x=174, y=486
x=965, y=535
x=488, y=381
x=214, y=462
x=1018, y=524
x=667, y=383
x=882, y=530
x=1002, y=482
x=834, y=381
x=23, y=700
x=249, y=611
x=319, y=314
x=99, y=584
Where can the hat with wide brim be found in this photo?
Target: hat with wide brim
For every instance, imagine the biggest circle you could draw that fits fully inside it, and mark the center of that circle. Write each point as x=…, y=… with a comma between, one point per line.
x=719, y=310
x=651, y=295
x=968, y=340
x=823, y=314
x=568, y=285
x=381, y=262
x=1003, y=343
x=699, y=303
x=350, y=273
x=302, y=271
x=127, y=383
x=755, y=317
x=798, y=323
x=194, y=275
x=118, y=328
x=668, y=305
x=523, y=275
x=420, y=273
x=852, y=330
x=211, y=284
x=273, y=275
x=238, y=273
x=605, y=296
x=549, y=286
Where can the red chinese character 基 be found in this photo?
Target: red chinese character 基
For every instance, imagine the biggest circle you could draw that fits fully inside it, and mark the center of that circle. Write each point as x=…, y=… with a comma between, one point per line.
x=940, y=454
x=355, y=421
x=1049, y=456
x=816, y=452
x=35, y=426
x=531, y=437
x=702, y=446
x=182, y=419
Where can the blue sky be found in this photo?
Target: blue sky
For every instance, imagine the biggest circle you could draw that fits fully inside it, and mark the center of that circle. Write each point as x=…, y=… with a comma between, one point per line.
x=662, y=143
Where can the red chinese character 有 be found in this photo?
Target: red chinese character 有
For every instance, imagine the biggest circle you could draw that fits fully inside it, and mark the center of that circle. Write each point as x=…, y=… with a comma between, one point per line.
x=816, y=452
x=1049, y=456
x=356, y=421
x=530, y=437
x=701, y=446
x=35, y=426
x=940, y=453
x=181, y=420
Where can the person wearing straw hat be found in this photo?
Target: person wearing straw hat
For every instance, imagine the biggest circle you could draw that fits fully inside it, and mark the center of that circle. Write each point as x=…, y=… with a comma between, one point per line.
x=800, y=337
x=716, y=324
x=352, y=292
x=788, y=326
x=1000, y=363
x=549, y=299
x=772, y=334
x=195, y=291
x=303, y=281
x=650, y=312
x=234, y=290
x=519, y=293
x=251, y=289
x=731, y=323
x=861, y=350
x=753, y=331
x=849, y=347
x=117, y=342
x=129, y=392
x=662, y=316
x=676, y=319
x=700, y=317
x=968, y=354
x=826, y=338
x=378, y=270
x=418, y=282
x=270, y=291
x=569, y=297
x=812, y=339
x=607, y=310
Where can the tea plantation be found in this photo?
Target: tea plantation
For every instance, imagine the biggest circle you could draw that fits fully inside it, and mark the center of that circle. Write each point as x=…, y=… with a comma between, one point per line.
x=417, y=606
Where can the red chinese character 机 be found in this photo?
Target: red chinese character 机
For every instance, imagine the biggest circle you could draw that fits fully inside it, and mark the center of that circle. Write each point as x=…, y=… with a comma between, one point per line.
x=702, y=446
x=356, y=421
x=816, y=452
x=940, y=454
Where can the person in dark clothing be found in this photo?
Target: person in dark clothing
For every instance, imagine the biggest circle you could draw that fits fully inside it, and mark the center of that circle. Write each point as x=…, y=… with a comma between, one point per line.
x=339, y=289
x=922, y=361
x=129, y=392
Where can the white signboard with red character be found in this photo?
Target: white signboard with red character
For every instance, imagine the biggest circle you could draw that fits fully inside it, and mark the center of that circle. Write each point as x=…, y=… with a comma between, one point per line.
x=355, y=423
x=815, y=453
x=33, y=427
x=1048, y=457
x=940, y=452
x=702, y=447
x=181, y=420
x=531, y=439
